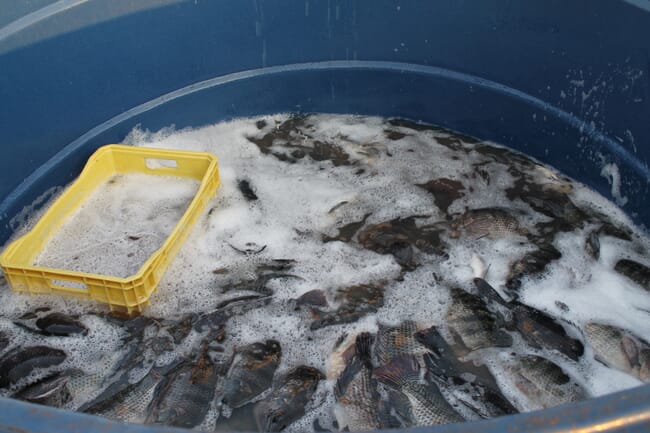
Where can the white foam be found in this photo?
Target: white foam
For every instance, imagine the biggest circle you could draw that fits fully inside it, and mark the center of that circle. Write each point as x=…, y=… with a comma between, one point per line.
x=613, y=176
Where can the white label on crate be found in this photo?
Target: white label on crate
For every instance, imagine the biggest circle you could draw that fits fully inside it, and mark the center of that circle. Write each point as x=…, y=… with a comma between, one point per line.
x=155, y=163
x=69, y=284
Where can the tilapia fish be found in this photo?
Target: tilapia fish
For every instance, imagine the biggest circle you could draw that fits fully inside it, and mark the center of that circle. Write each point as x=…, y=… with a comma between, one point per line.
x=445, y=191
x=485, y=222
x=57, y=324
x=542, y=331
x=251, y=372
x=552, y=202
x=472, y=384
x=61, y=325
x=4, y=340
x=635, y=271
x=184, y=396
x=619, y=349
x=428, y=406
x=472, y=325
x=393, y=342
x=355, y=302
x=531, y=264
x=536, y=327
x=127, y=402
x=347, y=232
x=51, y=391
x=62, y=389
x=287, y=402
x=542, y=382
x=399, y=237
x=356, y=391
x=19, y=362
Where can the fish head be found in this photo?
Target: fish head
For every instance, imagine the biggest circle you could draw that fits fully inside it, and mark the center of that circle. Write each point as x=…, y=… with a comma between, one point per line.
x=260, y=354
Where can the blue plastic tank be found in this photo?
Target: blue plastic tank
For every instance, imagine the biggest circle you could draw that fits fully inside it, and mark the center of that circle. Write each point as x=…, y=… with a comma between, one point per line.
x=566, y=81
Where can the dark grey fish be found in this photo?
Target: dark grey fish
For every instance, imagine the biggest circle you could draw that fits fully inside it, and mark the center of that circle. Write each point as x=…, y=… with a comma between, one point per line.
x=609, y=229
x=355, y=302
x=552, y=202
x=57, y=324
x=543, y=331
x=50, y=391
x=251, y=372
x=260, y=283
x=428, y=406
x=241, y=419
x=635, y=271
x=315, y=298
x=396, y=341
x=445, y=191
x=356, y=391
x=542, y=382
x=183, y=397
x=347, y=232
x=472, y=384
x=287, y=402
x=536, y=327
x=486, y=222
x=4, y=340
x=592, y=245
x=82, y=386
x=472, y=325
x=532, y=264
x=61, y=325
x=391, y=343
x=290, y=141
x=619, y=349
x=392, y=238
x=399, y=237
x=180, y=328
x=246, y=190
x=19, y=362
x=125, y=401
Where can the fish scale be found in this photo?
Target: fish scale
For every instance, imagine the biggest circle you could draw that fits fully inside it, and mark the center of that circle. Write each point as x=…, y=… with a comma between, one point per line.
x=393, y=342
x=490, y=222
x=543, y=383
x=475, y=326
x=287, y=402
x=184, y=397
x=618, y=349
x=131, y=403
x=251, y=372
x=356, y=391
x=428, y=406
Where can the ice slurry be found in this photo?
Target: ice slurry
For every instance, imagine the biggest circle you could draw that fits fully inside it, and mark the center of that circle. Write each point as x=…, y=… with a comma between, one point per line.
x=351, y=273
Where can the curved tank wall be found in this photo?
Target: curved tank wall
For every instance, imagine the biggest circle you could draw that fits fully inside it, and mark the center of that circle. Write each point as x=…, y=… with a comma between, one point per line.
x=565, y=81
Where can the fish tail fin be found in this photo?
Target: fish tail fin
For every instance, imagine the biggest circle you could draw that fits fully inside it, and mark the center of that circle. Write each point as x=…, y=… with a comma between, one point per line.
x=363, y=347
x=487, y=292
x=399, y=371
x=503, y=339
x=439, y=368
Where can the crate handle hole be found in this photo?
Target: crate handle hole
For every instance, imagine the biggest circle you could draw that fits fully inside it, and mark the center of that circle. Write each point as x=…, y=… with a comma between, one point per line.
x=67, y=285
x=158, y=163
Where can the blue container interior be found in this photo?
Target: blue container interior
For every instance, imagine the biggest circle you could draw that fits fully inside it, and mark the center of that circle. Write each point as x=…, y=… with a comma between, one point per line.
x=565, y=82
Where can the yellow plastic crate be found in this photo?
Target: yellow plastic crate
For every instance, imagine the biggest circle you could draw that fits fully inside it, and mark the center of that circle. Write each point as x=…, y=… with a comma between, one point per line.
x=124, y=295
